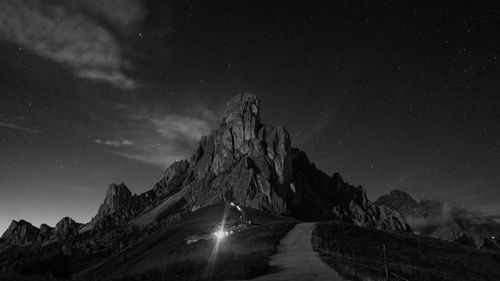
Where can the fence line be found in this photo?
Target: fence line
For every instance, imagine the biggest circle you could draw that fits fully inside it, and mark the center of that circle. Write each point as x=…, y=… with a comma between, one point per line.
x=356, y=262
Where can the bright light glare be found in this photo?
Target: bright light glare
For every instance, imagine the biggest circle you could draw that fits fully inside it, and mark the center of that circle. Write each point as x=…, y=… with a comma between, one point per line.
x=232, y=204
x=220, y=234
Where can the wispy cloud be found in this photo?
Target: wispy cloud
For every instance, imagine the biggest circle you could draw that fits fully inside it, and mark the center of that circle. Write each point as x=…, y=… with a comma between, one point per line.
x=78, y=34
x=154, y=154
x=159, y=138
x=115, y=143
x=18, y=127
x=175, y=127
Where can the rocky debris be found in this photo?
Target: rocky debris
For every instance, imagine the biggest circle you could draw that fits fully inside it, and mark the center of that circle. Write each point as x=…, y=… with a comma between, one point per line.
x=435, y=219
x=20, y=233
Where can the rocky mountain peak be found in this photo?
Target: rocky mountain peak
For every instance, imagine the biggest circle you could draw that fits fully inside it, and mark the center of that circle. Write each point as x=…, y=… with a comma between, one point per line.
x=397, y=200
x=65, y=228
x=45, y=232
x=117, y=195
x=255, y=166
x=436, y=219
x=243, y=106
x=118, y=191
x=242, y=118
x=118, y=207
x=20, y=233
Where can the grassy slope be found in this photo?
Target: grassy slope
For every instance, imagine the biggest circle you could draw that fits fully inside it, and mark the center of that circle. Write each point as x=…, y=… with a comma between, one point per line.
x=241, y=256
x=168, y=204
x=411, y=256
x=167, y=249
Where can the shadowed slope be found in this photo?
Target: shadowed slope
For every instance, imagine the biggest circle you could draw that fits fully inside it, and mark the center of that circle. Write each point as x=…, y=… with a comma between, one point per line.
x=156, y=250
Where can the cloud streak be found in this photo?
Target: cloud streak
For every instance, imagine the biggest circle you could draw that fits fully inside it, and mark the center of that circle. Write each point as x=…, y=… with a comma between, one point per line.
x=159, y=137
x=18, y=127
x=115, y=143
x=72, y=33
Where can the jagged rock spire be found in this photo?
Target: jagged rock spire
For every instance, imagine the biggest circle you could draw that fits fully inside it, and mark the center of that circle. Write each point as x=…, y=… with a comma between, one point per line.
x=254, y=165
x=243, y=117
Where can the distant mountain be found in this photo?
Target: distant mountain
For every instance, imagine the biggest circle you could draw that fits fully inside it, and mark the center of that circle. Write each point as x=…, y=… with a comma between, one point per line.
x=23, y=233
x=436, y=219
x=241, y=161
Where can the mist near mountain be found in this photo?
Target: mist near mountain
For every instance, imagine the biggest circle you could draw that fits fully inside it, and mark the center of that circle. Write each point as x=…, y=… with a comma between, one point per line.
x=441, y=220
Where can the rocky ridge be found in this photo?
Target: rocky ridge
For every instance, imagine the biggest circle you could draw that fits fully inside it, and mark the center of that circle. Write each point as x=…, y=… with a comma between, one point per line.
x=22, y=233
x=242, y=161
x=254, y=165
x=451, y=223
x=245, y=161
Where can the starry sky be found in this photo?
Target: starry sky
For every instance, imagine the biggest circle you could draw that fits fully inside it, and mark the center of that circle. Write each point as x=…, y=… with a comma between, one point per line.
x=388, y=94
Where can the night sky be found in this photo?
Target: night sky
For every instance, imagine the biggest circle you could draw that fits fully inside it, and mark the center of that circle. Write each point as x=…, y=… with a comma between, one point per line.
x=390, y=95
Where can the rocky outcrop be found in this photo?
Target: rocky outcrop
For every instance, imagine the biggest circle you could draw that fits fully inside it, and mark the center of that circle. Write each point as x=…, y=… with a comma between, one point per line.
x=397, y=200
x=242, y=161
x=20, y=233
x=451, y=223
x=65, y=228
x=119, y=207
x=45, y=233
x=254, y=165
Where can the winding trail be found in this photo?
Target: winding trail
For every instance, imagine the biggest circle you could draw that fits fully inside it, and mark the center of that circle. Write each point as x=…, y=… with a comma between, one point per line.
x=296, y=259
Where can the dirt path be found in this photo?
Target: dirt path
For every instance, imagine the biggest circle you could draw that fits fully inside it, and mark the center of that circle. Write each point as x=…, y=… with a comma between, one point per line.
x=296, y=260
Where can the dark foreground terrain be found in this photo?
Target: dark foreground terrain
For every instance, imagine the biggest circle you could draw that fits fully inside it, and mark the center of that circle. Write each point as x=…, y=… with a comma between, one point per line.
x=409, y=256
x=240, y=256
x=165, y=255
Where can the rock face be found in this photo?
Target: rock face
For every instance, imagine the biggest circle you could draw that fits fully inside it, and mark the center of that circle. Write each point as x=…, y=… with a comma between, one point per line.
x=119, y=207
x=23, y=233
x=242, y=161
x=254, y=165
x=20, y=233
x=397, y=200
x=433, y=218
x=45, y=233
x=65, y=228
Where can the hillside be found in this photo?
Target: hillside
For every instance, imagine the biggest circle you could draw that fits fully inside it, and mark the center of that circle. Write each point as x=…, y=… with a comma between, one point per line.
x=168, y=246
x=414, y=257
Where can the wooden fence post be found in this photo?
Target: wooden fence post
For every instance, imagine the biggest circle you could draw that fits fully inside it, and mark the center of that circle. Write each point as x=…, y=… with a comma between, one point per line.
x=386, y=263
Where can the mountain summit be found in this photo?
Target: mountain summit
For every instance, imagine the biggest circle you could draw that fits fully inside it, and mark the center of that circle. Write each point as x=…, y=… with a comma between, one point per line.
x=254, y=165
x=242, y=161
